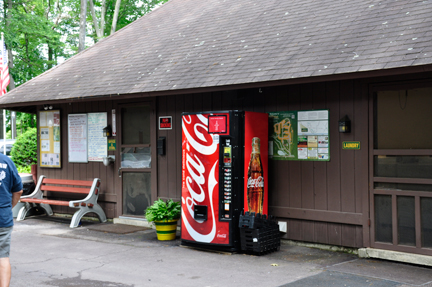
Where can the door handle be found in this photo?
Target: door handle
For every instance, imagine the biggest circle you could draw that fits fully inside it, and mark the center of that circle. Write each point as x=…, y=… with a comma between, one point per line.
x=119, y=173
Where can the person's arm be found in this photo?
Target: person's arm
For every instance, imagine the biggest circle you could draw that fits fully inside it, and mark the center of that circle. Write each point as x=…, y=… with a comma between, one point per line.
x=15, y=197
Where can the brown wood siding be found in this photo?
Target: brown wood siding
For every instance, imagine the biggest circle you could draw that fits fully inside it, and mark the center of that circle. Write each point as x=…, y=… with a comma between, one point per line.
x=324, y=202
x=320, y=201
x=85, y=171
x=329, y=195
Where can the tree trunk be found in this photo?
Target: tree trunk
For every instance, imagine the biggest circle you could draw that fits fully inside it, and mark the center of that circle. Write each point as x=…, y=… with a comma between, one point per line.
x=10, y=65
x=95, y=22
x=50, y=57
x=116, y=12
x=10, y=56
x=102, y=21
x=82, y=33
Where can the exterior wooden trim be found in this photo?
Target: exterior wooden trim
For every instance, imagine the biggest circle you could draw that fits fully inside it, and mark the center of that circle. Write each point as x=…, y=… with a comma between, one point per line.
x=403, y=248
x=153, y=144
x=403, y=180
x=402, y=192
x=26, y=106
x=371, y=129
x=417, y=195
x=108, y=197
x=317, y=215
x=402, y=152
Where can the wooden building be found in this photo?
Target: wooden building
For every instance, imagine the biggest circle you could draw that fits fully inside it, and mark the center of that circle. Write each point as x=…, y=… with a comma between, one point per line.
x=368, y=60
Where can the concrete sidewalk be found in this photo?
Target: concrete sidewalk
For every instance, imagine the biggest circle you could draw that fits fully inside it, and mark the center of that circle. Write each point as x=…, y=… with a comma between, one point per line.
x=46, y=252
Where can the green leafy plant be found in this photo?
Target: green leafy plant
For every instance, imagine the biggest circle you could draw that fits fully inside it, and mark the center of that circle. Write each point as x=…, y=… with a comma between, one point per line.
x=163, y=211
x=24, y=150
x=24, y=169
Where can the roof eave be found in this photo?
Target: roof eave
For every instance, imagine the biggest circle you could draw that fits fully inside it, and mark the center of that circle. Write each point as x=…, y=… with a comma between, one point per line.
x=31, y=107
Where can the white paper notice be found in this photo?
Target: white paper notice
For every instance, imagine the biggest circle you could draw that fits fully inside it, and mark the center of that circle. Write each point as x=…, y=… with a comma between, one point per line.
x=44, y=133
x=50, y=119
x=312, y=153
x=323, y=141
x=42, y=119
x=97, y=143
x=114, y=127
x=302, y=153
x=45, y=145
x=77, y=137
x=307, y=128
x=56, y=147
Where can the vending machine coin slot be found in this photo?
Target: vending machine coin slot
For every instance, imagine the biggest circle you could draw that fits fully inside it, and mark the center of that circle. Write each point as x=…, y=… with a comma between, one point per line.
x=200, y=212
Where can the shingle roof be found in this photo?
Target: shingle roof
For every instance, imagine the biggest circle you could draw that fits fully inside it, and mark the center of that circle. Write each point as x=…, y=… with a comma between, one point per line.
x=194, y=43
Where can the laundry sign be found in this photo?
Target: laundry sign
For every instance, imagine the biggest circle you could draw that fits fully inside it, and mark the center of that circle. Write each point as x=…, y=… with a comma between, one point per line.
x=354, y=145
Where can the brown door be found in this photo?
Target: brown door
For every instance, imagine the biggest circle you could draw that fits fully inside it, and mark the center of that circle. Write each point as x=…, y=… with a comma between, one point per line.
x=401, y=171
x=137, y=157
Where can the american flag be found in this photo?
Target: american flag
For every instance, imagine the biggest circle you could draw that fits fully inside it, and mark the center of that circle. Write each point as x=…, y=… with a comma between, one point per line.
x=4, y=79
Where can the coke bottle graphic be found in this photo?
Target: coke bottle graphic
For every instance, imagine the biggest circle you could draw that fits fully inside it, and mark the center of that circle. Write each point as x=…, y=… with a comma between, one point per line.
x=255, y=183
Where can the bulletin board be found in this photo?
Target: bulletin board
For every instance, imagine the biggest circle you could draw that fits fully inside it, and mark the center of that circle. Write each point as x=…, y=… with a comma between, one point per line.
x=77, y=138
x=49, y=139
x=299, y=135
x=97, y=143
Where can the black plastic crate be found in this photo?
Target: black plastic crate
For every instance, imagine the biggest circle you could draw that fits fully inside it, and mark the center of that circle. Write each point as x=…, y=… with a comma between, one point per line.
x=251, y=220
x=258, y=234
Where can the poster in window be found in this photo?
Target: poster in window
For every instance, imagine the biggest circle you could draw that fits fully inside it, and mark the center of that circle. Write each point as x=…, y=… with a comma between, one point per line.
x=49, y=139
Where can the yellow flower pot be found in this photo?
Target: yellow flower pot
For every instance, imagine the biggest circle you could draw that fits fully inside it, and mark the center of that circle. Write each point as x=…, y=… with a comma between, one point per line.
x=166, y=230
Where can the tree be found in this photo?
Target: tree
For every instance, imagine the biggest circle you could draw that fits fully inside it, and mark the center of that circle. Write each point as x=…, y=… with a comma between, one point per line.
x=82, y=26
x=24, y=150
x=40, y=33
x=31, y=35
x=24, y=122
x=118, y=13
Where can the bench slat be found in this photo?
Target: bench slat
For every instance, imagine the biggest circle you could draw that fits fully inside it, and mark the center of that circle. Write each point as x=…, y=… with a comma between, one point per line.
x=68, y=182
x=46, y=201
x=65, y=189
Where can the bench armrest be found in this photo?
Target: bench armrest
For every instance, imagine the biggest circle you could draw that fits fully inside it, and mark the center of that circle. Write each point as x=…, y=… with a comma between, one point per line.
x=37, y=193
x=92, y=197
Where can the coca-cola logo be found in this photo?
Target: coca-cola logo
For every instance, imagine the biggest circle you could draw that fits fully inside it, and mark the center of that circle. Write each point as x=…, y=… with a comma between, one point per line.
x=199, y=155
x=255, y=182
x=221, y=236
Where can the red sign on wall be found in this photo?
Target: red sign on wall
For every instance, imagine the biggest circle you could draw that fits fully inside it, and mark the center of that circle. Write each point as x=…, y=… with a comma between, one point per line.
x=165, y=123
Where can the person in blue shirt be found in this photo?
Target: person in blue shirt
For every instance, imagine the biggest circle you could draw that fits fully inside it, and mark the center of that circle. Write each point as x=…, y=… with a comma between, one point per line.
x=11, y=189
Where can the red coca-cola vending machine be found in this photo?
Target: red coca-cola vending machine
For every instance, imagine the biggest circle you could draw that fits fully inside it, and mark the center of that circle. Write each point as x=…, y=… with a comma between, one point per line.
x=224, y=172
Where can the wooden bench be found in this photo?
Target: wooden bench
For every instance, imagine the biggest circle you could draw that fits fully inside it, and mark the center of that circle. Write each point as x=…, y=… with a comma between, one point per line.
x=64, y=186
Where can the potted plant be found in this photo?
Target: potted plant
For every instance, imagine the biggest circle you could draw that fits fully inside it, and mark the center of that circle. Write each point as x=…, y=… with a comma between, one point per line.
x=164, y=215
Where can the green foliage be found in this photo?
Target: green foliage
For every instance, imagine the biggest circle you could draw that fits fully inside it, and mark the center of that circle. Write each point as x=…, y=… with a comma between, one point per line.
x=24, y=169
x=23, y=121
x=163, y=211
x=31, y=30
x=42, y=33
x=24, y=150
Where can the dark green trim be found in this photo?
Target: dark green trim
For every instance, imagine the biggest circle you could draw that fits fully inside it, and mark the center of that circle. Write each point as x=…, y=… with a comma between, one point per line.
x=165, y=223
x=165, y=232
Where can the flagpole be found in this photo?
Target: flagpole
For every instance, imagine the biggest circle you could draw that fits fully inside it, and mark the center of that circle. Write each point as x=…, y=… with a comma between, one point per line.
x=1, y=82
x=1, y=93
x=4, y=131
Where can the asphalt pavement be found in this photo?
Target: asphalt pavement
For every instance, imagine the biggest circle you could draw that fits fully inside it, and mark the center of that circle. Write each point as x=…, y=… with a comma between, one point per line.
x=46, y=252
